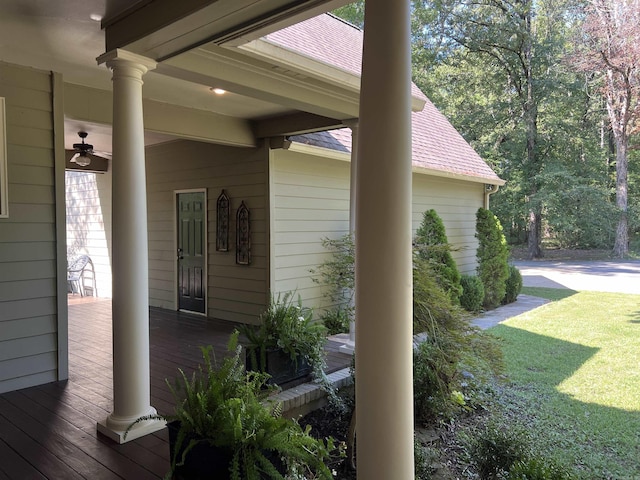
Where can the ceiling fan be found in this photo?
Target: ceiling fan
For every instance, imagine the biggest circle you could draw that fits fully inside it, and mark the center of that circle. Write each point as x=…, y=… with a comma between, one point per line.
x=83, y=152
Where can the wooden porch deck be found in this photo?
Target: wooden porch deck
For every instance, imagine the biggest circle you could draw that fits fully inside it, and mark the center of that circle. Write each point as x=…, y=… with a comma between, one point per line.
x=50, y=431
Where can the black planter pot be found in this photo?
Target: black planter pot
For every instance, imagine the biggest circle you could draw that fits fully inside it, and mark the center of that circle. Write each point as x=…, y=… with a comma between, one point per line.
x=280, y=366
x=202, y=461
x=205, y=461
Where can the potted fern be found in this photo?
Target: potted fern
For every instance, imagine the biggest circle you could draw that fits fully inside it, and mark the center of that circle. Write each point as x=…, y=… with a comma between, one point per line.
x=287, y=344
x=224, y=426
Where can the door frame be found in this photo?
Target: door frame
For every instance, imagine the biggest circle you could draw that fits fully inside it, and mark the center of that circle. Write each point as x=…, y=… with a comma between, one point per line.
x=205, y=283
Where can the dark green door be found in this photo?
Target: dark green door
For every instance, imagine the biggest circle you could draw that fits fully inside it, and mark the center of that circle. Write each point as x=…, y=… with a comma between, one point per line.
x=191, y=251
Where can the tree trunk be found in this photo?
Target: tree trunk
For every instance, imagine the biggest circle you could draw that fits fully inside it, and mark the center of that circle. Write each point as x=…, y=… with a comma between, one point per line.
x=534, y=239
x=621, y=246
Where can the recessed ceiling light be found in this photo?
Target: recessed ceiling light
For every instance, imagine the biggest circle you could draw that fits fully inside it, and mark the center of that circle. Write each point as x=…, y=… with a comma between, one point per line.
x=218, y=91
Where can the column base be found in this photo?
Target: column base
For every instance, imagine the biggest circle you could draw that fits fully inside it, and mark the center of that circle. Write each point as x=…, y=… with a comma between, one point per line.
x=348, y=348
x=118, y=429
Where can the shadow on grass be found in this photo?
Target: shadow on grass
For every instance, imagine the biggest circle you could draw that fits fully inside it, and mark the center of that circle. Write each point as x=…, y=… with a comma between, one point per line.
x=550, y=293
x=597, y=440
x=637, y=317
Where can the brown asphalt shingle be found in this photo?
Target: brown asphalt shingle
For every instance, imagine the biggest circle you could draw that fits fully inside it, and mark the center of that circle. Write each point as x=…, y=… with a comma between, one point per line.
x=436, y=144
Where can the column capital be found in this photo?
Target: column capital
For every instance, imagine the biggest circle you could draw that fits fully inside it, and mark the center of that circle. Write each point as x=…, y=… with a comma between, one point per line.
x=351, y=123
x=118, y=55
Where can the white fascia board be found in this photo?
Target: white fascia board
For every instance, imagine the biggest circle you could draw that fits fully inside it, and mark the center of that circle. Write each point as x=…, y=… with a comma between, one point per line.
x=309, y=66
x=457, y=176
x=346, y=157
x=316, y=151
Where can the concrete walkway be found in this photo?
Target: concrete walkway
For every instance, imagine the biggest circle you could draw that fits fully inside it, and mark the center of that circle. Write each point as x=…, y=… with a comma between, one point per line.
x=523, y=304
x=599, y=276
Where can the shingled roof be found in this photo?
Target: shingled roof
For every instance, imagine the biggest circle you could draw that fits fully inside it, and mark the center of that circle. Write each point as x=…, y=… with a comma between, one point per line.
x=437, y=145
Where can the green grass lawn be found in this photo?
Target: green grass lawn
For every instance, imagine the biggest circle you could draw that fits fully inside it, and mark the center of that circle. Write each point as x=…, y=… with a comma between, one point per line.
x=574, y=365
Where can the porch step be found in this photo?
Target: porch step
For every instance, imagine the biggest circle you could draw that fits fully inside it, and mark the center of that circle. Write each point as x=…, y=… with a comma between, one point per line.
x=305, y=398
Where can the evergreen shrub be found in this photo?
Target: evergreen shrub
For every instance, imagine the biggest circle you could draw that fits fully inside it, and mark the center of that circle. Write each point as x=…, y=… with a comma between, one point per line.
x=492, y=255
x=472, y=293
x=513, y=286
x=432, y=245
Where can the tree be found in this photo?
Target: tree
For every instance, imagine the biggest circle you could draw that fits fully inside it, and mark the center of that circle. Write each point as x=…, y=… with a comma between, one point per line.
x=502, y=33
x=433, y=246
x=352, y=13
x=496, y=70
x=493, y=256
x=610, y=53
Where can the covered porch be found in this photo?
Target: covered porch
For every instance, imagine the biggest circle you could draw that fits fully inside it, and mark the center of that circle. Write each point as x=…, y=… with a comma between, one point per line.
x=49, y=431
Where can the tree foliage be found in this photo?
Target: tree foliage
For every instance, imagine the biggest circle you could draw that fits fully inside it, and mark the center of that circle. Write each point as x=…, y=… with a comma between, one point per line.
x=609, y=52
x=525, y=83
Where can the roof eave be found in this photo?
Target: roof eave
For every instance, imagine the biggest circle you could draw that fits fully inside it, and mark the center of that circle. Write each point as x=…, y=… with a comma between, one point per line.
x=346, y=157
x=309, y=66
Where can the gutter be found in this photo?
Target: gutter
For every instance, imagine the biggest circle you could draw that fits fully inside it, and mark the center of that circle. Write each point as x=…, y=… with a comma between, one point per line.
x=489, y=190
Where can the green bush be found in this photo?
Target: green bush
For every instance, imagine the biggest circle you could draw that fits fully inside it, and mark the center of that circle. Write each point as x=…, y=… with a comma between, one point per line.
x=493, y=254
x=338, y=272
x=472, y=293
x=494, y=450
x=453, y=354
x=423, y=460
x=432, y=244
x=513, y=285
x=538, y=468
x=336, y=321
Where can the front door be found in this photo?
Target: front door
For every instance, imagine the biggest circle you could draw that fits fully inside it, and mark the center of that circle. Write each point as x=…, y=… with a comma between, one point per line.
x=191, y=215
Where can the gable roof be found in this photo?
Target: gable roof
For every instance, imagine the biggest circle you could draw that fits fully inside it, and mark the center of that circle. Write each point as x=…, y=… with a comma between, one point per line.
x=438, y=148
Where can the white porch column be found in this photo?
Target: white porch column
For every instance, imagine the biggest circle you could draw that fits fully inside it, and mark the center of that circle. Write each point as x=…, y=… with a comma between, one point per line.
x=384, y=353
x=350, y=346
x=130, y=311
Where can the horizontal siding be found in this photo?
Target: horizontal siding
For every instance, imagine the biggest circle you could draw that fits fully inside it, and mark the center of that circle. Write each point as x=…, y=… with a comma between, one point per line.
x=28, y=306
x=311, y=202
x=88, y=201
x=234, y=292
x=456, y=202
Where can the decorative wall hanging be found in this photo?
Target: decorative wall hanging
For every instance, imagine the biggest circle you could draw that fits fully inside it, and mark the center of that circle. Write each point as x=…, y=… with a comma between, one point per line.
x=4, y=183
x=243, y=236
x=222, y=223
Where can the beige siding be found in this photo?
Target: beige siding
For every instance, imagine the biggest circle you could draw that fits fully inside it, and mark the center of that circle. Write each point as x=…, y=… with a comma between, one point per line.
x=235, y=292
x=310, y=201
x=456, y=202
x=88, y=200
x=28, y=303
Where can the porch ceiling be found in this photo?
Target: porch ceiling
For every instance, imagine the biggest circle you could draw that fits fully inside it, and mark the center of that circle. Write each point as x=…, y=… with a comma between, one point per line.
x=65, y=36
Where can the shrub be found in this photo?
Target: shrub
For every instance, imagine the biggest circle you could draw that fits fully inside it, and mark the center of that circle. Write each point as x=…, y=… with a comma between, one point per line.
x=423, y=460
x=472, y=293
x=513, y=285
x=338, y=273
x=432, y=245
x=453, y=353
x=538, y=468
x=493, y=254
x=336, y=321
x=494, y=450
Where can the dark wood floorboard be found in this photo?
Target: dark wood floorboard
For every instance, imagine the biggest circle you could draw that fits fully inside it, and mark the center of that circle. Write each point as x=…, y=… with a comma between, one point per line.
x=49, y=431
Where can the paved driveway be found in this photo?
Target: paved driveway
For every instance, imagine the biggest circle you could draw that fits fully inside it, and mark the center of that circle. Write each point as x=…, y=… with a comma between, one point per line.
x=600, y=276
